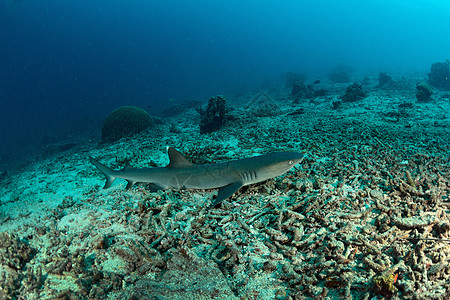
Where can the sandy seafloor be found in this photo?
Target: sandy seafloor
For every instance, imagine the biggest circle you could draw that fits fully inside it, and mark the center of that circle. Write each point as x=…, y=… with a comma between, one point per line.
x=363, y=216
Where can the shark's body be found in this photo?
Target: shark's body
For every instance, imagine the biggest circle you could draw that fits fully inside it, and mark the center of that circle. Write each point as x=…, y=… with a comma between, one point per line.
x=228, y=177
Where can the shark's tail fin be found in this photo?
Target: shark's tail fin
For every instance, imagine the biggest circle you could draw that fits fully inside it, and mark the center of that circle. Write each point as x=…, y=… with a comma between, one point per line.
x=106, y=171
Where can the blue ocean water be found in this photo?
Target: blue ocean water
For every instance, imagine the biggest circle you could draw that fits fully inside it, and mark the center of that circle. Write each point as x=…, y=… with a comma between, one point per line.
x=65, y=64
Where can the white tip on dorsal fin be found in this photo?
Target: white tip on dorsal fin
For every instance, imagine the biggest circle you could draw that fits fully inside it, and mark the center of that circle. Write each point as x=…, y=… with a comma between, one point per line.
x=177, y=160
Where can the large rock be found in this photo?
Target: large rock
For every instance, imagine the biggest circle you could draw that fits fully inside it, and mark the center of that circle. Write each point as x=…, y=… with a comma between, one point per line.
x=124, y=121
x=215, y=115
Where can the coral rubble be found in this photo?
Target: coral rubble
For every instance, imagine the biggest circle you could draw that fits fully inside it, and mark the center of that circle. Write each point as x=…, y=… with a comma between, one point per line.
x=365, y=215
x=14, y=255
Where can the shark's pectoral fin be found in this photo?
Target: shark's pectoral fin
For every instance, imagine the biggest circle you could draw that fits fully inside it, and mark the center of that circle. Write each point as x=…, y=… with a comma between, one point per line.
x=153, y=187
x=225, y=192
x=129, y=184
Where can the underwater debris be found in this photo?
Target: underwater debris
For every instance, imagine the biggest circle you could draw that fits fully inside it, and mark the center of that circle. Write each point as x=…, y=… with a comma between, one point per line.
x=353, y=93
x=424, y=92
x=215, y=115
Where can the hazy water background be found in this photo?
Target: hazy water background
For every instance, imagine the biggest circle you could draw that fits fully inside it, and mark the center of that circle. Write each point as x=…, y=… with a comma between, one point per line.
x=65, y=64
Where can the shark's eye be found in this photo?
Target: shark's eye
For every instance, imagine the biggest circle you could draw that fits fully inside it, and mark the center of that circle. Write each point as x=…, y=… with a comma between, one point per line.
x=291, y=162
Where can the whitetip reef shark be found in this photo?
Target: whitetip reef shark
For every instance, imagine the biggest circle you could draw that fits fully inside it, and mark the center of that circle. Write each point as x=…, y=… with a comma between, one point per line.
x=228, y=177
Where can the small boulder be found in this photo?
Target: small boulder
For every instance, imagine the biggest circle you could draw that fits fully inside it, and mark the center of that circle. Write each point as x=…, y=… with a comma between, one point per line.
x=424, y=92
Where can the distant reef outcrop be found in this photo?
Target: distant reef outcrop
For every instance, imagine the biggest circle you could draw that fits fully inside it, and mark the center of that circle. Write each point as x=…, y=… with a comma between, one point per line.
x=439, y=76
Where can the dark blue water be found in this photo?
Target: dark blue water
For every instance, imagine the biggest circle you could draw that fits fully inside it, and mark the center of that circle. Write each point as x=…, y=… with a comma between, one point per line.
x=66, y=64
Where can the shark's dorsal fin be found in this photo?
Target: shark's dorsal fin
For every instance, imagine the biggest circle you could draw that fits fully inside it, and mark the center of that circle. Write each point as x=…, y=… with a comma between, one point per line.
x=127, y=166
x=177, y=160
